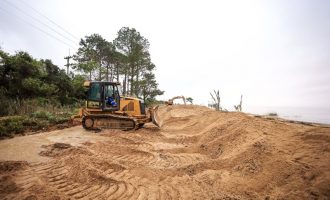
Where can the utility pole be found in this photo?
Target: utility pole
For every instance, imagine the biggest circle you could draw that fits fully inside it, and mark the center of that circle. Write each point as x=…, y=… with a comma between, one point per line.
x=68, y=64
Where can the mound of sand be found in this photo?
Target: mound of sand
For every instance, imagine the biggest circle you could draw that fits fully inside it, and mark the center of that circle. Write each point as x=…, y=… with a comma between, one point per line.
x=55, y=149
x=197, y=154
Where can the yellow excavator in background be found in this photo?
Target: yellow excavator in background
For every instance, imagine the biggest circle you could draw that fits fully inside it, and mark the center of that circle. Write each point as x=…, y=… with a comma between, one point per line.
x=170, y=101
x=106, y=108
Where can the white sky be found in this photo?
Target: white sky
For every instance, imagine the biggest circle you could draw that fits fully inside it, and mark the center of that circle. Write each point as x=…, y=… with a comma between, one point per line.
x=275, y=53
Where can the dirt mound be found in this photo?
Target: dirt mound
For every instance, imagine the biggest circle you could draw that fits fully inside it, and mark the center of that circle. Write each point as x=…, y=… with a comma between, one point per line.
x=63, y=149
x=55, y=149
x=197, y=154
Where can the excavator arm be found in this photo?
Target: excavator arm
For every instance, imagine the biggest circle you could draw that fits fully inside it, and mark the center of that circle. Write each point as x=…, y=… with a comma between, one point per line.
x=170, y=101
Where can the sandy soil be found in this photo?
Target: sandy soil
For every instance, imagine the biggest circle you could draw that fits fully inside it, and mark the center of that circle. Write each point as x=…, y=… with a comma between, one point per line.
x=197, y=154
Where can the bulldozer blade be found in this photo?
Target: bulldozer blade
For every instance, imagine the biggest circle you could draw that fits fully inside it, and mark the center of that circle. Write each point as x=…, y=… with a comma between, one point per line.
x=154, y=116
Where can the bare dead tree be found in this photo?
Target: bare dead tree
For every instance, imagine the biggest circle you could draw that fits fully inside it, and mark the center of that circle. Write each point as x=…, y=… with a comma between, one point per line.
x=239, y=106
x=216, y=99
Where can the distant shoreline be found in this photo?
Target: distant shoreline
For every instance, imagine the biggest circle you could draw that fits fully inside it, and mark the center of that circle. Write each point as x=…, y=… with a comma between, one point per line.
x=279, y=118
x=301, y=114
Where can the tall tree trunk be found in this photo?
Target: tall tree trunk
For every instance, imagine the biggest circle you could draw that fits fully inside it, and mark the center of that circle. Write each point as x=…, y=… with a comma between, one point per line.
x=136, y=88
x=100, y=72
x=124, y=84
x=111, y=71
x=132, y=80
x=107, y=75
x=117, y=68
x=128, y=85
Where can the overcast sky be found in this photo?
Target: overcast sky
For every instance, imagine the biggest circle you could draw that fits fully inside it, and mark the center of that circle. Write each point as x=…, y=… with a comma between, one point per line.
x=275, y=53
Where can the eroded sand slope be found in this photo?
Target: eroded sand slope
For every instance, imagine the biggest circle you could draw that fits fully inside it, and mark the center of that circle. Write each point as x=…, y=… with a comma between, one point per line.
x=198, y=154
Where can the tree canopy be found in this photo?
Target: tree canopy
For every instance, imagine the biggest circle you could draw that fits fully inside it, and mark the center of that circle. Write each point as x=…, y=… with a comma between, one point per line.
x=126, y=60
x=22, y=76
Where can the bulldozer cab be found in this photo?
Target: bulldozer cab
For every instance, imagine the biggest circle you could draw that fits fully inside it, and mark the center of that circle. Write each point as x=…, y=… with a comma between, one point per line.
x=103, y=95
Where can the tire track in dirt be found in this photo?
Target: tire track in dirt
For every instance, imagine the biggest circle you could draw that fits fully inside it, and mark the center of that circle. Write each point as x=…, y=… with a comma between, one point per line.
x=198, y=154
x=125, y=184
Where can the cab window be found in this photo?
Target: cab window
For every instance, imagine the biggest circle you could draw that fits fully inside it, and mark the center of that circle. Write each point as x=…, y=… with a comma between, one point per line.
x=94, y=92
x=108, y=91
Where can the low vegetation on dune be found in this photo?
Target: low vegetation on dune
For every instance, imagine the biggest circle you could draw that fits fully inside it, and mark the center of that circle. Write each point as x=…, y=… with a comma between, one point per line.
x=36, y=121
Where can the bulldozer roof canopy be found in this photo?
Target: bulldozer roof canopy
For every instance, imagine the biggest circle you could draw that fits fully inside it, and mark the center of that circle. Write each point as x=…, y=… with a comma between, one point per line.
x=88, y=83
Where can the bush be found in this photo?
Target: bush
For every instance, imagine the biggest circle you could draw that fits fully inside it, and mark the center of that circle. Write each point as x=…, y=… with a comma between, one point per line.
x=11, y=125
x=36, y=121
x=42, y=115
x=61, y=120
x=33, y=114
x=52, y=118
x=29, y=122
x=40, y=125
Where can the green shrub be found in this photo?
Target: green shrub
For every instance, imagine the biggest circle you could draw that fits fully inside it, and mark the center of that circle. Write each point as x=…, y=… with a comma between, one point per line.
x=40, y=125
x=15, y=127
x=11, y=125
x=30, y=122
x=42, y=115
x=33, y=114
x=51, y=118
x=61, y=120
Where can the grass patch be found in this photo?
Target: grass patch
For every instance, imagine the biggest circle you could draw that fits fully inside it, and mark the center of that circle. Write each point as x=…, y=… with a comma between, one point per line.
x=11, y=125
x=38, y=120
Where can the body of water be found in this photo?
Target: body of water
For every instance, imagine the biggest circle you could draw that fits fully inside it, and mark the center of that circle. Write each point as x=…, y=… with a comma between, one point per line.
x=306, y=114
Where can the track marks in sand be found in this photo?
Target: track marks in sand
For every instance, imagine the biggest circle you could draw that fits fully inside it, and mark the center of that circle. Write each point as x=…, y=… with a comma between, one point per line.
x=57, y=178
x=197, y=154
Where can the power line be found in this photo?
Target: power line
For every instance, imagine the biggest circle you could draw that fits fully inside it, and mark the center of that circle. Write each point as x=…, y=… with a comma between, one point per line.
x=35, y=10
x=19, y=9
x=39, y=29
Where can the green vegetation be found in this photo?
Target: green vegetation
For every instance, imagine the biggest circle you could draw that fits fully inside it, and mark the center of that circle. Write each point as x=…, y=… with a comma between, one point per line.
x=23, y=78
x=126, y=60
x=37, y=94
x=38, y=120
x=190, y=100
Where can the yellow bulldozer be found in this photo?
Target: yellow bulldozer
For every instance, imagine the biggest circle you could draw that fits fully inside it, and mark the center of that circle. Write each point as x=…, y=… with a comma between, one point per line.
x=106, y=108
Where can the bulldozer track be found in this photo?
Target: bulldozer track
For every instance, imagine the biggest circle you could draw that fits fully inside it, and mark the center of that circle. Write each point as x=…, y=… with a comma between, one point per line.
x=98, y=122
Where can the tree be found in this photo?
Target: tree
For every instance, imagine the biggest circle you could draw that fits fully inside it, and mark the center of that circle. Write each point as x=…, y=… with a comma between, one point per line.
x=119, y=62
x=190, y=100
x=14, y=70
x=127, y=59
x=59, y=79
x=239, y=106
x=216, y=100
x=78, y=88
x=149, y=88
x=91, y=55
x=135, y=47
x=22, y=76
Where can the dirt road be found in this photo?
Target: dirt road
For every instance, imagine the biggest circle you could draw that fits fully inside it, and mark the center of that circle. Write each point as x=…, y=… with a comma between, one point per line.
x=197, y=154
